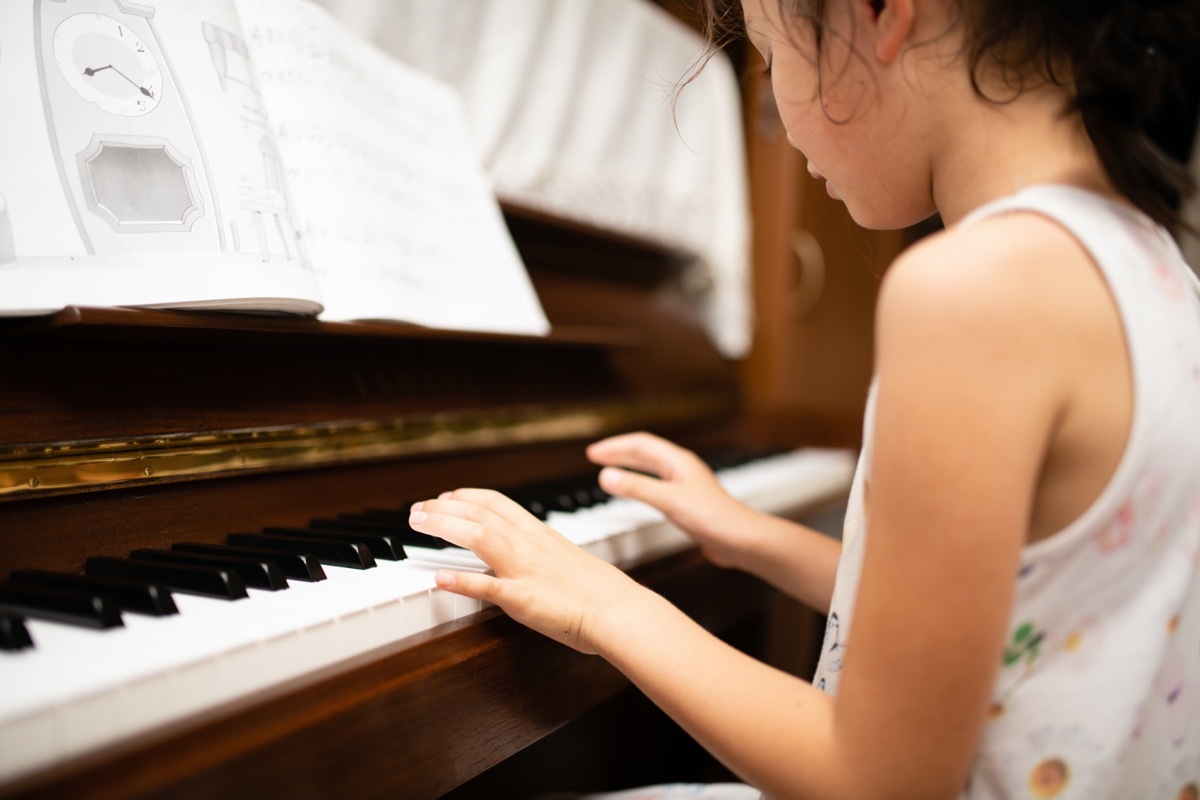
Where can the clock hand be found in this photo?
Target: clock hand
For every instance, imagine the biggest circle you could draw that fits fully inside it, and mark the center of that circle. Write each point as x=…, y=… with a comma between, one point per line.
x=90, y=71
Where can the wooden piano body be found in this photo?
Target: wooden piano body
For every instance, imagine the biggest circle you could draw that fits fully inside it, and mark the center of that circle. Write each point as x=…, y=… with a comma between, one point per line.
x=122, y=429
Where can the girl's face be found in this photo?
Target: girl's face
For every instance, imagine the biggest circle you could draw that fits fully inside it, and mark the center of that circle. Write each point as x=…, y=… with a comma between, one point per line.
x=846, y=110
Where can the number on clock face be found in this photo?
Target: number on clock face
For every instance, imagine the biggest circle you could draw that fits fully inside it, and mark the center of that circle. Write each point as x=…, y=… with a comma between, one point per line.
x=107, y=64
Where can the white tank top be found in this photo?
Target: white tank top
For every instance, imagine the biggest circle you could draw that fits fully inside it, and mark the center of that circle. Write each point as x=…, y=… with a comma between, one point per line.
x=1099, y=690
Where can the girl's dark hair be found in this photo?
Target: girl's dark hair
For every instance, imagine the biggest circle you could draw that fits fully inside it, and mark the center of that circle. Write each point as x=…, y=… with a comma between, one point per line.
x=1134, y=66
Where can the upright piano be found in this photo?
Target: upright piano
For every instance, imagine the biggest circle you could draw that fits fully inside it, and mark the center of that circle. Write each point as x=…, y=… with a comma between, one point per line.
x=126, y=430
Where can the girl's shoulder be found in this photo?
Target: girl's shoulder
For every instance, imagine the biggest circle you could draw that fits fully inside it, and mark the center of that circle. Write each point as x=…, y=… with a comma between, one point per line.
x=1004, y=331
x=1009, y=271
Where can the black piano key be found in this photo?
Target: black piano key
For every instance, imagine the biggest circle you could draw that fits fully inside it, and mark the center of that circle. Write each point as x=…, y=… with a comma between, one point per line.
x=382, y=536
x=208, y=581
x=535, y=503
x=727, y=458
x=598, y=495
x=256, y=572
x=535, y=506
x=361, y=523
x=398, y=518
x=82, y=608
x=381, y=545
x=13, y=633
x=140, y=597
x=296, y=566
x=336, y=553
x=580, y=494
x=567, y=495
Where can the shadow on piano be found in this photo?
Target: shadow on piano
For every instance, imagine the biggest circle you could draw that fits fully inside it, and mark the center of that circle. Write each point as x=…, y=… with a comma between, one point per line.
x=126, y=430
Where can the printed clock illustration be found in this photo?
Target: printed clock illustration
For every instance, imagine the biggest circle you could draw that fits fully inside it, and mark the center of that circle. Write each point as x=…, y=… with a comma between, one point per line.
x=131, y=161
x=107, y=64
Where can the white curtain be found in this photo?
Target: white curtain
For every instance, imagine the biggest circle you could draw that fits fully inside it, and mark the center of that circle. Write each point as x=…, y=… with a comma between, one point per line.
x=574, y=107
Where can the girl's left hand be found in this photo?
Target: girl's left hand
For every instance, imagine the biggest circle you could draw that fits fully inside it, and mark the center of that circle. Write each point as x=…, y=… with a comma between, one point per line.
x=541, y=578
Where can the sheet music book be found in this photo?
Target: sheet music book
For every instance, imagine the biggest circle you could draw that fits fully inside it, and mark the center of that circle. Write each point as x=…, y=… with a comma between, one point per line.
x=245, y=155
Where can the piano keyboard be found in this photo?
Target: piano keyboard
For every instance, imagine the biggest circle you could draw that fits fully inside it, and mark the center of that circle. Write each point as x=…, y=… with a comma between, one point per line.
x=67, y=689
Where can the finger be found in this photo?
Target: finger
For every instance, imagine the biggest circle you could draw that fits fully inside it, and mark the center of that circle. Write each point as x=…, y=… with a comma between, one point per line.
x=498, y=503
x=461, y=503
x=461, y=523
x=648, y=489
x=640, y=451
x=624, y=446
x=469, y=584
x=455, y=530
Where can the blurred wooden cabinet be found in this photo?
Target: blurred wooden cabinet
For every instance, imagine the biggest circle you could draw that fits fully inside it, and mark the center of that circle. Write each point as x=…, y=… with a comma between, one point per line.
x=816, y=275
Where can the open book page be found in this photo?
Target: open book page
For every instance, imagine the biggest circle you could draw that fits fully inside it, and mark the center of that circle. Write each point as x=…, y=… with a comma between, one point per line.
x=396, y=212
x=136, y=163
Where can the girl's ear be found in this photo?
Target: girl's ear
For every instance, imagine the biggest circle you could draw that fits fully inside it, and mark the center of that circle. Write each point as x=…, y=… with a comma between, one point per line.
x=893, y=22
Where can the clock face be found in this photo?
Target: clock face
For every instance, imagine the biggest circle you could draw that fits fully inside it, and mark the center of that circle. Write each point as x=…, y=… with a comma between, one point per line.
x=107, y=64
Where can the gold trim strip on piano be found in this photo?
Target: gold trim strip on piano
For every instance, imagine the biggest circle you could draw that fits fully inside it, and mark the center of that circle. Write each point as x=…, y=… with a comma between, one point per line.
x=74, y=466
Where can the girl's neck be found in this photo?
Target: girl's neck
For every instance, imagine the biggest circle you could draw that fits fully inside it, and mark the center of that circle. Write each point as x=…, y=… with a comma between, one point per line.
x=995, y=149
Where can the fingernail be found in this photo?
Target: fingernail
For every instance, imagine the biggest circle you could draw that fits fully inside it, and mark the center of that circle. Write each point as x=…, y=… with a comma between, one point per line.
x=444, y=579
x=610, y=478
x=443, y=495
x=417, y=506
x=417, y=516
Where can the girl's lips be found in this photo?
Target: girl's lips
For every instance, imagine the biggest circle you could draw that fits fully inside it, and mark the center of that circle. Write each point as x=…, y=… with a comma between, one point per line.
x=829, y=190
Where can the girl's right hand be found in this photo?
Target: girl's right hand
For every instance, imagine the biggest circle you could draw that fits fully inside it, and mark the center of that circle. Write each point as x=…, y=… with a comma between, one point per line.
x=681, y=486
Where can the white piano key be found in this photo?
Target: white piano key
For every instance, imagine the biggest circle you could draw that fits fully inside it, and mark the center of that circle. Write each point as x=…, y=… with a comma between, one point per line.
x=231, y=631
x=389, y=606
x=310, y=640
x=443, y=606
x=589, y=525
x=784, y=481
x=452, y=557
x=28, y=742
x=69, y=662
x=622, y=514
x=409, y=588
x=69, y=680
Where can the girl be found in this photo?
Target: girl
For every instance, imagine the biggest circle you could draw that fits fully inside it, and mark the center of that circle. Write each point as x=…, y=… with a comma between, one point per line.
x=1017, y=593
